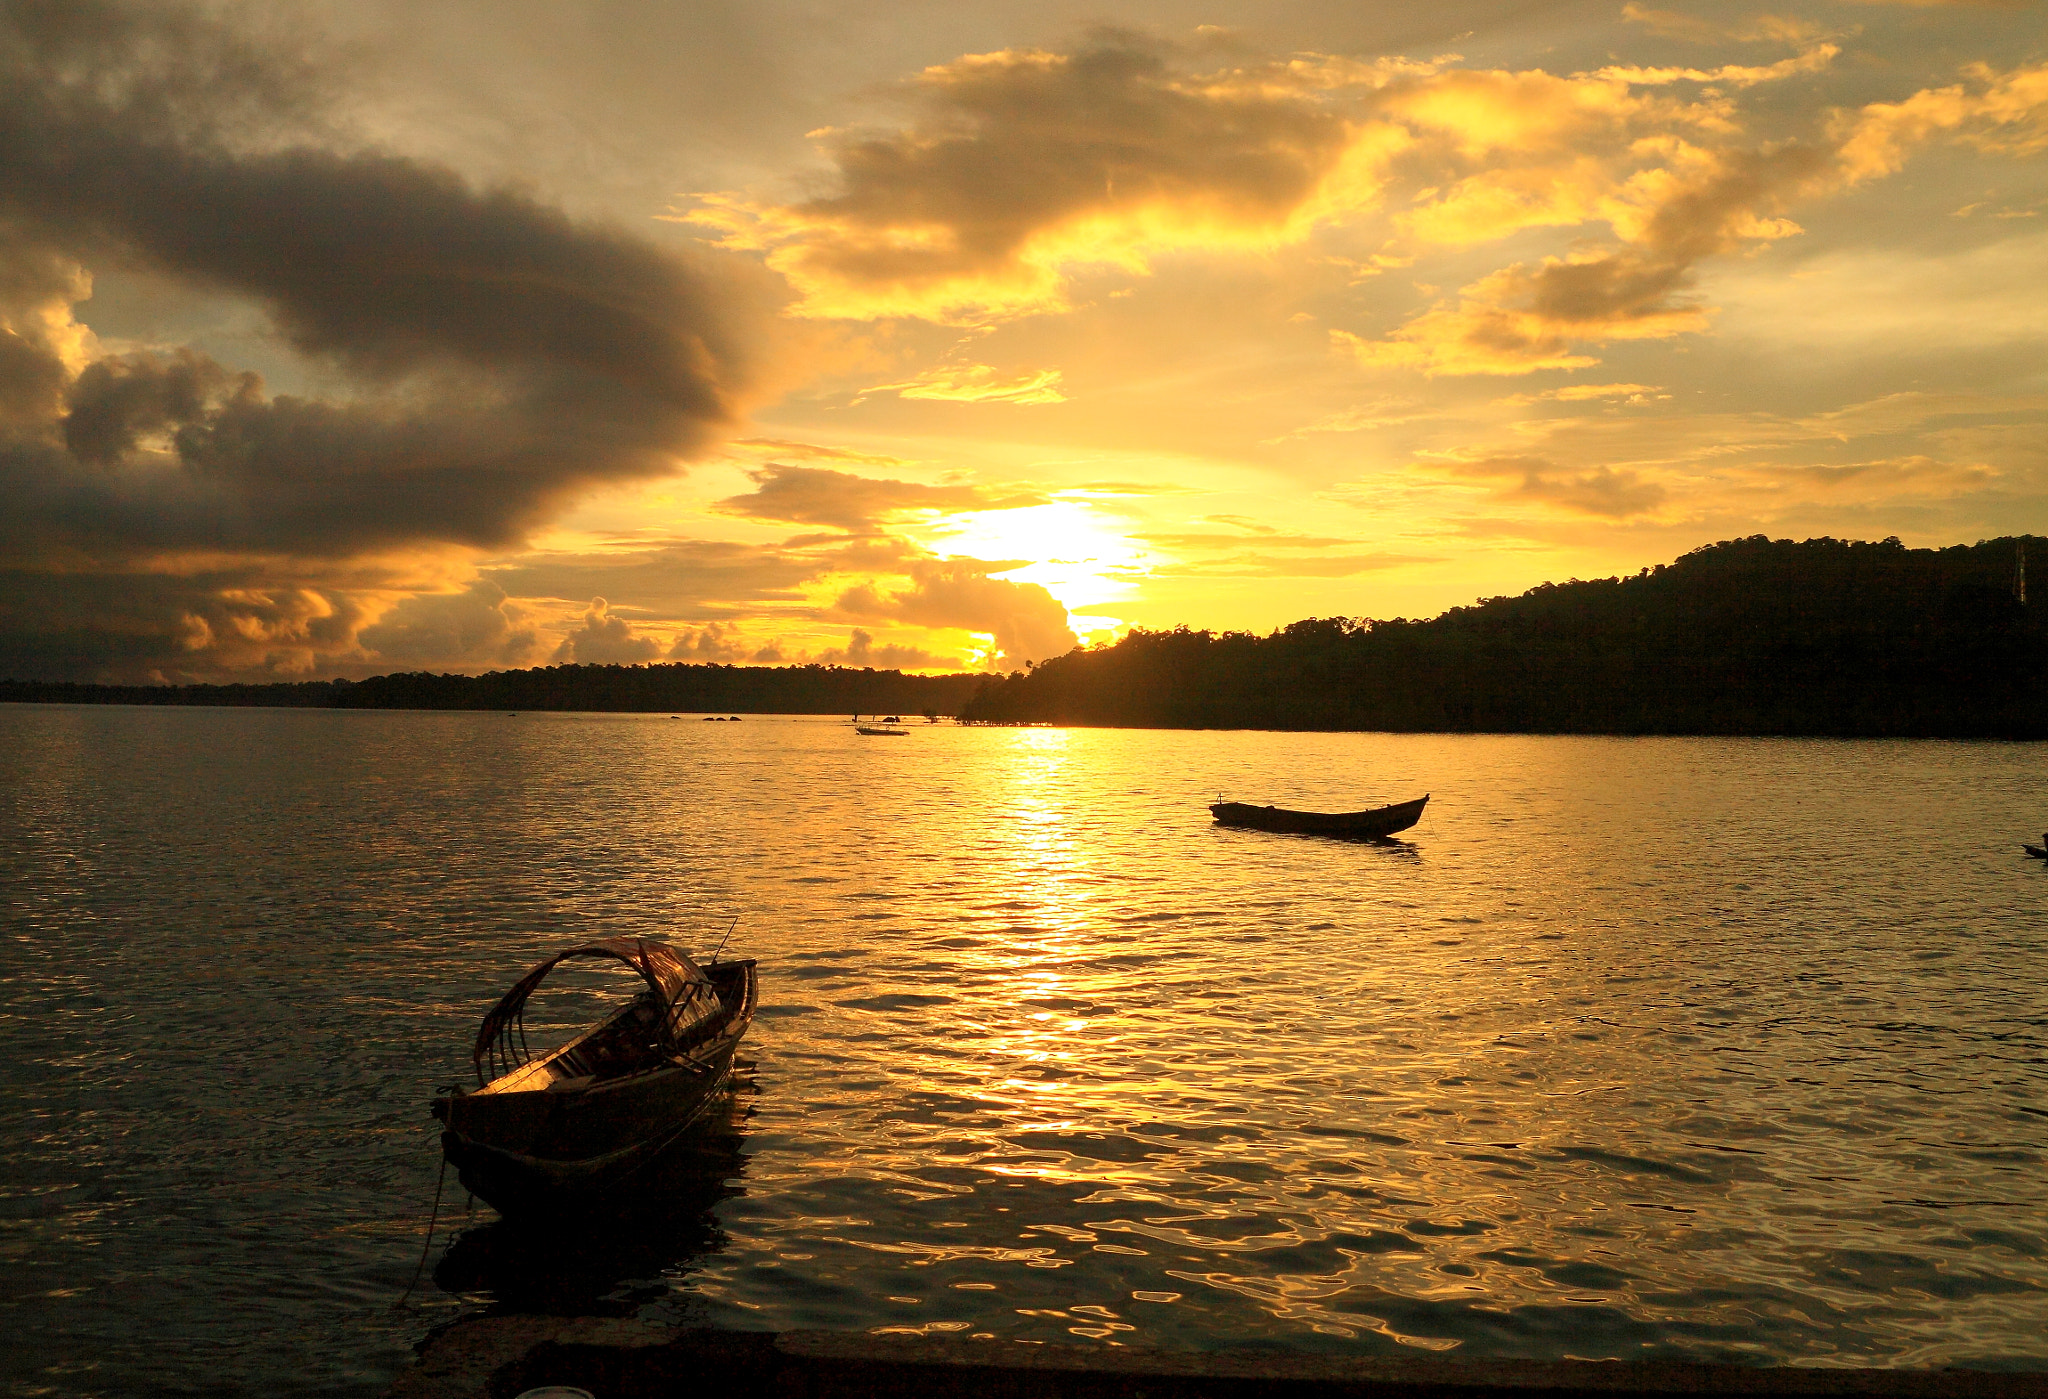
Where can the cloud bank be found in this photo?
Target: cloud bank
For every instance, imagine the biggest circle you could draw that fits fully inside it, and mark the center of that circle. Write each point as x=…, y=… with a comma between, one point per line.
x=492, y=357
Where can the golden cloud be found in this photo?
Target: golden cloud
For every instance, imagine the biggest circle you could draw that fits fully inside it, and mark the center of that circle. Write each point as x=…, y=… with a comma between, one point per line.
x=1732, y=74
x=1524, y=318
x=2005, y=113
x=1023, y=168
x=977, y=383
x=1026, y=165
x=1586, y=393
x=1601, y=491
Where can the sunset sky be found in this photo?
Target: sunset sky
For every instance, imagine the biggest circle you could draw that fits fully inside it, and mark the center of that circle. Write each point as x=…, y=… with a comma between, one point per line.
x=343, y=338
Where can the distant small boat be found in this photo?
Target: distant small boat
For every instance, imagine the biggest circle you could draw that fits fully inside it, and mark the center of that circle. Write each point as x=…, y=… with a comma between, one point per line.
x=560, y=1130
x=1380, y=821
x=880, y=731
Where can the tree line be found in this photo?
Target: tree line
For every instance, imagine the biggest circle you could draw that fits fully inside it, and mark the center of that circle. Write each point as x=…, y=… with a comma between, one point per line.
x=672, y=688
x=1748, y=636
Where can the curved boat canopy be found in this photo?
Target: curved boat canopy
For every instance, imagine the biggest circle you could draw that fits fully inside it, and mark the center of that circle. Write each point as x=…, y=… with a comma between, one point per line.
x=677, y=986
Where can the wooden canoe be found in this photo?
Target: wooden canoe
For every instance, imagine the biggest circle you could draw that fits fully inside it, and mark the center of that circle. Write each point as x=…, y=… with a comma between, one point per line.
x=550, y=1134
x=1377, y=823
x=2037, y=851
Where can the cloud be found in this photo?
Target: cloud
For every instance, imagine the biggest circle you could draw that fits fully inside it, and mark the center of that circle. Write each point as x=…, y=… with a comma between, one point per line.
x=479, y=626
x=1026, y=622
x=1729, y=74
x=1382, y=412
x=2004, y=113
x=807, y=451
x=977, y=383
x=858, y=504
x=1257, y=565
x=1265, y=537
x=1778, y=29
x=1020, y=169
x=711, y=642
x=688, y=579
x=1587, y=393
x=208, y=619
x=605, y=640
x=1690, y=203
x=860, y=650
x=1525, y=318
x=1024, y=165
x=491, y=357
x=1913, y=475
x=1129, y=488
x=1601, y=491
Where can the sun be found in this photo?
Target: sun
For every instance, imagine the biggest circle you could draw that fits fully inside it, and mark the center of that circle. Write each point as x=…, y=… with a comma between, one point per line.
x=1070, y=551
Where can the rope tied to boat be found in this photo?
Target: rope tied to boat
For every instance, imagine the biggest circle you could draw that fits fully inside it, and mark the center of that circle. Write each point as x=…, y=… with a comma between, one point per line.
x=433, y=1217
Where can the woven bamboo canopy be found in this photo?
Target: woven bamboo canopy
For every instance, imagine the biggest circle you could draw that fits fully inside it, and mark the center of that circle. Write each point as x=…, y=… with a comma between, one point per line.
x=673, y=981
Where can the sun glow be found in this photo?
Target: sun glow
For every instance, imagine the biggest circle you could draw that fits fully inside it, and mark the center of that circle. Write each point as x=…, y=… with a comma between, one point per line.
x=1069, y=551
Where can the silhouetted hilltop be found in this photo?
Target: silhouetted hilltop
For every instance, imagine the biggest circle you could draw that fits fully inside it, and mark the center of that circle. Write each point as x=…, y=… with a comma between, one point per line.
x=806, y=689
x=1750, y=636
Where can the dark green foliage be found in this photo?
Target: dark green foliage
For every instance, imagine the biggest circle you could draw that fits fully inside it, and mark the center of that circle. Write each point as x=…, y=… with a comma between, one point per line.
x=1751, y=636
x=809, y=689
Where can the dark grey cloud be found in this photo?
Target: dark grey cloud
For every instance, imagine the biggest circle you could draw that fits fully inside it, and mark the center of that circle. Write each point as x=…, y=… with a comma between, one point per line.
x=477, y=627
x=494, y=357
x=121, y=621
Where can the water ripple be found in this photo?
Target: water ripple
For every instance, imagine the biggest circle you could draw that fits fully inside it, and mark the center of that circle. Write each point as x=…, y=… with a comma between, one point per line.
x=1694, y=1049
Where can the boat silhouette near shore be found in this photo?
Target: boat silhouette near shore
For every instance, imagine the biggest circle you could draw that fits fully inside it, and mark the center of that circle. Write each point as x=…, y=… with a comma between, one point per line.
x=1376, y=824
x=559, y=1129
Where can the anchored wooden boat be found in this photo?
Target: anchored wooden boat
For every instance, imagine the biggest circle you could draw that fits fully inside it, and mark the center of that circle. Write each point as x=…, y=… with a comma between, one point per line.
x=551, y=1132
x=1379, y=822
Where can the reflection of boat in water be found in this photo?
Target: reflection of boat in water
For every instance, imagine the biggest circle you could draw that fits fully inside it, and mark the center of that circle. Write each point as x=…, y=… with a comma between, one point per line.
x=1377, y=823
x=622, y=1254
x=561, y=1129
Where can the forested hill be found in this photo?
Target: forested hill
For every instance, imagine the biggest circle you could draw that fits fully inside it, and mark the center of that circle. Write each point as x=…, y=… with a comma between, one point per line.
x=1751, y=636
x=678, y=688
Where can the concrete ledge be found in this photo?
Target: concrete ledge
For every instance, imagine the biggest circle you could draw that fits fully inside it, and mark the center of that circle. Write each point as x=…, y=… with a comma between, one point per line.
x=498, y=1357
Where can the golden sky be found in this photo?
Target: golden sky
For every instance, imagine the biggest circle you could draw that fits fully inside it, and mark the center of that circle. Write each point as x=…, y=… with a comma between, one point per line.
x=341, y=339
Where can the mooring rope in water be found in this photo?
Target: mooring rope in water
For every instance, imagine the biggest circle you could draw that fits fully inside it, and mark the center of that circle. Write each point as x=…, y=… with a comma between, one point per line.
x=432, y=1217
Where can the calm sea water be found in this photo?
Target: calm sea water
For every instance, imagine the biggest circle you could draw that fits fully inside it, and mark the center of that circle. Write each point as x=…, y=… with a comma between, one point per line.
x=1727, y=1050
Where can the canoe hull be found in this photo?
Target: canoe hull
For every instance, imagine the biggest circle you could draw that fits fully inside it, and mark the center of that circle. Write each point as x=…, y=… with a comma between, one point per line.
x=543, y=1152
x=1376, y=824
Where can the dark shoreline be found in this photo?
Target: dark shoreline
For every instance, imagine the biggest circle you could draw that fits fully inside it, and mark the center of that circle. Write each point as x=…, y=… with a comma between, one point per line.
x=1749, y=638
x=499, y=1357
